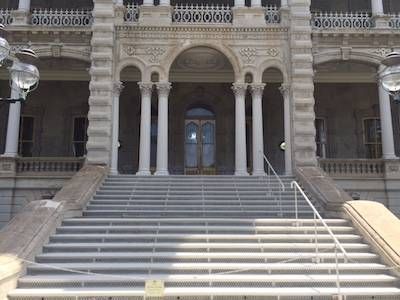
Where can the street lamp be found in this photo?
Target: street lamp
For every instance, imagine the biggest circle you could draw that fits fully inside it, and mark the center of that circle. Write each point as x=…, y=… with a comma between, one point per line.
x=389, y=77
x=23, y=74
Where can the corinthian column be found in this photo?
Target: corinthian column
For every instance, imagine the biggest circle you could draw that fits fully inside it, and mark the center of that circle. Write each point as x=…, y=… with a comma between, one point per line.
x=162, y=138
x=115, y=128
x=145, y=129
x=284, y=89
x=14, y=116
x=258, y=132
x=239, y=89
x=385, y=109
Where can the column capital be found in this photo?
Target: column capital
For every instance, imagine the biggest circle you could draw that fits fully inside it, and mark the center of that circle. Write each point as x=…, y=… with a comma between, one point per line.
x=163, y=88
x=239, y=88
x=145, y=87
x=284, y=89
x=257, y=88
x=118, y=87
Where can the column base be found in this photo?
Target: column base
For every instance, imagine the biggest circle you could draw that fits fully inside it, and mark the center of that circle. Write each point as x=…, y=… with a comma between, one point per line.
x=258, y=173
x=143, y=173
x=241, y=173
x=9, y=155
x=114, y=172
x=161, y=173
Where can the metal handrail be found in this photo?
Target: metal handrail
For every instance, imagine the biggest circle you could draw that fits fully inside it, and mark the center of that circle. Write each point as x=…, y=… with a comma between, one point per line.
x=274, y=172
x=294, y=185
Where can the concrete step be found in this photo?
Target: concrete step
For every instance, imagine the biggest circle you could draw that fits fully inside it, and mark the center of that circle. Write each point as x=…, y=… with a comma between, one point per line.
x=192, y=293
x=210, y=247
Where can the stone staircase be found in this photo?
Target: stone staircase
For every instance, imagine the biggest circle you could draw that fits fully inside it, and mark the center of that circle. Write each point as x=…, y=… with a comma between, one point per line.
x=216, y=237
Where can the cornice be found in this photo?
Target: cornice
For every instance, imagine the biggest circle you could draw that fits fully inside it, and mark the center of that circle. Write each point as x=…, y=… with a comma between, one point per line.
x=221, y=32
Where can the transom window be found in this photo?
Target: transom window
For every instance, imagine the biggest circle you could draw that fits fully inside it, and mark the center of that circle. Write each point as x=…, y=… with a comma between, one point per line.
x=372, y=137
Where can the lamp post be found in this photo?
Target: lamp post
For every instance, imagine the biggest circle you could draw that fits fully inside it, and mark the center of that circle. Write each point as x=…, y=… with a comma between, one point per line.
x=389, y=75
x=24, y=76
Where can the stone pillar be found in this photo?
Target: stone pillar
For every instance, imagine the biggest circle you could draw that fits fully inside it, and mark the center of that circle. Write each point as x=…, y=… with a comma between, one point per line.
x=14, y=116
x=148, y=2
x=145, y=129
x=21, y=15
x=381, y=20
x=162, y=134
x=388, y=151
x=258, y=132
x=115, y=133
x=101, y=84
x=239, y=90
x=165, y=2
x=377, y=7
x=302, y=83
x=285, y=90
x=256, y=3
x=239, y=3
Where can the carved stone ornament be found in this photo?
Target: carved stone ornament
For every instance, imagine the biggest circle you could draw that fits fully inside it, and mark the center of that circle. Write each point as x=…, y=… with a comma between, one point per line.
x=383, y=52
x=274, y=52
x=155, y=54
x=56, y=50
x=248, y=54
x=130, y=50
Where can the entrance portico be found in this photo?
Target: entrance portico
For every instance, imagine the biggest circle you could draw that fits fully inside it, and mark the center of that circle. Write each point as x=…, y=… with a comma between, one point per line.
x=201, y=122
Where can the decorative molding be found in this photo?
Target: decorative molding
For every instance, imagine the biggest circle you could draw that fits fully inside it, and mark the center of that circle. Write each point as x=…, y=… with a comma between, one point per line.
x=383, y=52
x=273, y=52
x=129, y=49
x=249, y=54
x=257, y=88
x=155, y=53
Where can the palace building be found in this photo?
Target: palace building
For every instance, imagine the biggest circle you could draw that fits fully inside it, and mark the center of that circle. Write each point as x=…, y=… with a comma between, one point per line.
x=172, y=140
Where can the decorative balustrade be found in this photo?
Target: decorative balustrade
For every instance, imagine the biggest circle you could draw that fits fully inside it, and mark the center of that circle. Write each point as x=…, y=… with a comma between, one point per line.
x=5, y=17
x=48, y=165
x=353, y=167
x=272, y=14
x=394, y=21
x=61, y=17
x=207, y=14
x=341, y=20
x=131, y=13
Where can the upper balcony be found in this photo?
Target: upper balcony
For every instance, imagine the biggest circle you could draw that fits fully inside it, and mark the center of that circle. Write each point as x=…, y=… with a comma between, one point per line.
x=205, y=12
x=355, y=14
x=55, y=13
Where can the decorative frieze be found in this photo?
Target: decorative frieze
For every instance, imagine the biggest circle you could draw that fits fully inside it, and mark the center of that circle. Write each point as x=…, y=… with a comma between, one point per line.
x=155, y=53
x=248, y=54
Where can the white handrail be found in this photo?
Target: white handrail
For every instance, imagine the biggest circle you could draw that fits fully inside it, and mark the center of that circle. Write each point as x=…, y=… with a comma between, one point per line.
x=274, y=172
x=295, y=185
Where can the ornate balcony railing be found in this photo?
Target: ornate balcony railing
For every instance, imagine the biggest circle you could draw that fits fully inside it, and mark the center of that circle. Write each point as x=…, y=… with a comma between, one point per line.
x=207, y=14
x=61, y=17
x=341, y=20
x=48, y=165
x=353, y=167
x=5, y=17
x=394, y=21
x=272, y=15
x=131, y=13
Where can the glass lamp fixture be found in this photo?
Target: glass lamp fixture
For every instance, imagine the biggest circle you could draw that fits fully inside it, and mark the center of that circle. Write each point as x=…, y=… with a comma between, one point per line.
x=4, y=49
x=389, y=77
x=25, y=77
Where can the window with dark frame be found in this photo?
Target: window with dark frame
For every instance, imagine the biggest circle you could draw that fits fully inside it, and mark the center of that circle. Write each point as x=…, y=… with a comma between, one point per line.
x=321, y=137
x=372, y=137
x=26, y=136
x=79, y=138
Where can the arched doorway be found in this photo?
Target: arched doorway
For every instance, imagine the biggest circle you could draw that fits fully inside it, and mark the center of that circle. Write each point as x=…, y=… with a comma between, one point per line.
x=202, y=111
x=200, y=143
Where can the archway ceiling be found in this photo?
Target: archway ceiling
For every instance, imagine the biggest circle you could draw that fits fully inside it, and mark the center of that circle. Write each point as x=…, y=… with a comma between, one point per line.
x=201, y=64
x=345, y=71
x=66, y=69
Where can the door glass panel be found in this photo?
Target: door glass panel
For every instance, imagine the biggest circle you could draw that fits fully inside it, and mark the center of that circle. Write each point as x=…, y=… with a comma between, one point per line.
x=191, y=144
x=208, y=143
